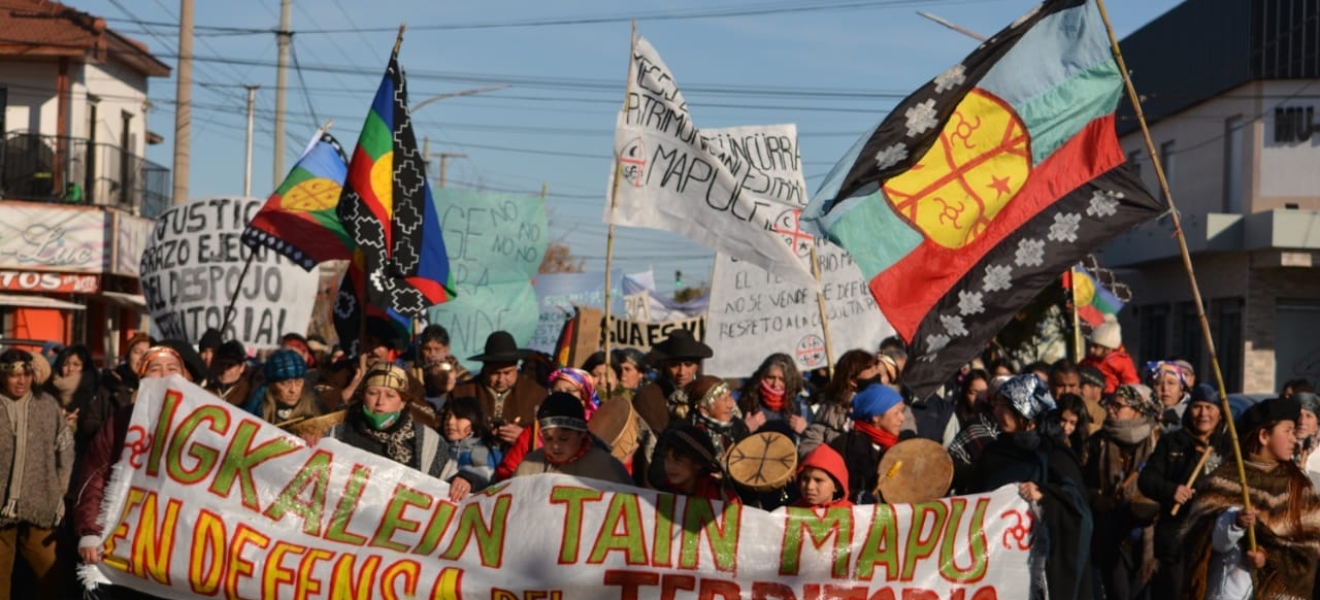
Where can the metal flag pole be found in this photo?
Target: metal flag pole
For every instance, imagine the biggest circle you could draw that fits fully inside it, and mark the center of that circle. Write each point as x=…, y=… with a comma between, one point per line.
x=614, y=198
x=1187, y=265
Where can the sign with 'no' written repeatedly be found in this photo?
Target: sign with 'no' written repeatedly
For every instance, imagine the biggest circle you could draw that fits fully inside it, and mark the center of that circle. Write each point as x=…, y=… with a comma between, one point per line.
x=193, y=264
x=209, y=501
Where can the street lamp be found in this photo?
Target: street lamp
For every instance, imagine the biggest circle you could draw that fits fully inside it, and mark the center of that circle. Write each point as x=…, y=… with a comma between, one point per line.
x=426, y=141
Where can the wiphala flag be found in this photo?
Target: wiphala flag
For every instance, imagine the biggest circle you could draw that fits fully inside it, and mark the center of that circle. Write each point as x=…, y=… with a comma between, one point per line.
x=979, y=189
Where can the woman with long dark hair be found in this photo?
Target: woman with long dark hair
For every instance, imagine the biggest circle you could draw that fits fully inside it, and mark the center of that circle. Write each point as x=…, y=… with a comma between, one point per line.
x=854, y=370
x=74, y=382
x=773, y=394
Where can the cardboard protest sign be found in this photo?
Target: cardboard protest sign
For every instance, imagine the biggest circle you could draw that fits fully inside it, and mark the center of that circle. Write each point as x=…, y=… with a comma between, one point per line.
x=641, y=335
x=193, y=264
x=750, y=303
x=208, y=501
x=495, y=244
x=676, y=177
x=558, y=293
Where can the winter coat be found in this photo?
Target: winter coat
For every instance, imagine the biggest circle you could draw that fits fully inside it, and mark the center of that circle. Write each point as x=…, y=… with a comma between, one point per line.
x=519, y=404
x=470, y=459
x=46, y=444
x=425, y=444
x=595, y=464
x=1117, y=367
x=1168, y=467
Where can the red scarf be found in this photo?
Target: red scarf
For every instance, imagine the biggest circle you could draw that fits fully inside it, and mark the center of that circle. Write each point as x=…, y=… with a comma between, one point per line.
x=772, y=399
x=880, y=437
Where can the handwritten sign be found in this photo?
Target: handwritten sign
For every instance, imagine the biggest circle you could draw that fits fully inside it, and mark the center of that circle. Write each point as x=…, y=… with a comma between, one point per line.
x=558, y=293
x=495, y=244
x=209, y=501
x=193, y=265
x=681, y=179
x=50, y=238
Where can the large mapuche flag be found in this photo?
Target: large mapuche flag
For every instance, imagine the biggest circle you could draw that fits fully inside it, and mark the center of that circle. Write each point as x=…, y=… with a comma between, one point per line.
x=983, y=186
x=387, y=208
x=300, y=219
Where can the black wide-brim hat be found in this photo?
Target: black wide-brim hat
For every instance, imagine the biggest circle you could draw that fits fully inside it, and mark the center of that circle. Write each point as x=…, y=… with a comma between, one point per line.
x=501, y=347
x=681, y=344
x=1268, y=411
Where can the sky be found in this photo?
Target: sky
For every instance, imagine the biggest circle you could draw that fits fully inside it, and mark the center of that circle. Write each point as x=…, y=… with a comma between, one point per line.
x=832, y=67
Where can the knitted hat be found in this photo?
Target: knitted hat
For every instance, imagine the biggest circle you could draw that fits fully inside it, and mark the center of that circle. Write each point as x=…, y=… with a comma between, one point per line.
x=1028, y=395
x=1108, y=334
x=1092, y=376
x=1205, y=392
x=1138, y=397
x=874, y=400
x=692, y=443
x=828, y=459
x=563, y=411
x=284, y=365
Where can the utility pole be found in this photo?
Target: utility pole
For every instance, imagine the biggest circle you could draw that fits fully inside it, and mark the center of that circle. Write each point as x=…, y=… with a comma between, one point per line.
x=444, y=163
x=283, y=38
x=247, y=161
x=183, y=97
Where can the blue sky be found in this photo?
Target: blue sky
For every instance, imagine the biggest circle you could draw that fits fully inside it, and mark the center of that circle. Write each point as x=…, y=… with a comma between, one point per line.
x=833, y=67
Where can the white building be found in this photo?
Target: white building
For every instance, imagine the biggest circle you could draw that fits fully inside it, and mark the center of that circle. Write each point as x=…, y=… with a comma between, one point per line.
x=1231, y=89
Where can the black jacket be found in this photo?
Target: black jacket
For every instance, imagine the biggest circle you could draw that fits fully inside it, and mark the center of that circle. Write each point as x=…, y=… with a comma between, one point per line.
x=1169, y=466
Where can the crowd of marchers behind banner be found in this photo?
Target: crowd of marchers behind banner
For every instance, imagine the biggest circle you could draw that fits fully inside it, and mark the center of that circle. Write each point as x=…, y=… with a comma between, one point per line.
x=1133, y=474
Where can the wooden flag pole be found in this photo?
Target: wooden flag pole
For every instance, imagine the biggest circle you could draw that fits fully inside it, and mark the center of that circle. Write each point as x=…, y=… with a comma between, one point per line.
x=824, y=315
x=1187, y=266
x=247, y=264
x=614, y=198
x=1078, y=349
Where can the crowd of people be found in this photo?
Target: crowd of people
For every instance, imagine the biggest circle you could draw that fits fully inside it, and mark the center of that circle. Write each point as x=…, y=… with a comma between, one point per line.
x=1133, y=476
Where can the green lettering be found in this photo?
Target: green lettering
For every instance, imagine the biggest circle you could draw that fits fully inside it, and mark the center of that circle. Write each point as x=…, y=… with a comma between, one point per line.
x=918, y=548
x=665, y=505
x=722, y=535
x=573, y=499
x=338, y=530
x=975, y=542
x=393, y=520
x=444, y=514
x=316, y=473
x=835, y=522
x=631, y=541
x=163, y=423
x=241, y=458
x=490, y=538
x=881, y=545
x=205, y=455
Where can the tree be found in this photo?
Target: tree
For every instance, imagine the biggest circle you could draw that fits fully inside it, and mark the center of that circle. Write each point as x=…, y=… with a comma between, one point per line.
x=559, y=259
x=689, y=294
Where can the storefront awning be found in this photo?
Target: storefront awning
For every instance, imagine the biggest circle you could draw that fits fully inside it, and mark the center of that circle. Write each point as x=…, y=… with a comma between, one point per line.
x=35, y=301
x=122, y=299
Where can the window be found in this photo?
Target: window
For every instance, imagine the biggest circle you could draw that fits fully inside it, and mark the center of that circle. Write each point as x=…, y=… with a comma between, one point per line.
x=1190, y=339
x=1154, y=331
x=1134, y=161
x=1233, y=165
x=1167, y=161
x=1228, y=341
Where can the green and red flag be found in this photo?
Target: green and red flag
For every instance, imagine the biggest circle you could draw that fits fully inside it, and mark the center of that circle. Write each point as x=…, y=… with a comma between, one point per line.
x=978, y=190
x=387, y=210
x=300, y=220
x=1093, y=298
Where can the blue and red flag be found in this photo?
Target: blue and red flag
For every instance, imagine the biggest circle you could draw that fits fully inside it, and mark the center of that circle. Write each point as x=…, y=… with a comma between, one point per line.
x=300, y=219
x=979, y=189
x=387, y=209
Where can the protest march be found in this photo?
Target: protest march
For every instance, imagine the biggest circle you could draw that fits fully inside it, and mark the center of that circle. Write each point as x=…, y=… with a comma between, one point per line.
x=906, y=379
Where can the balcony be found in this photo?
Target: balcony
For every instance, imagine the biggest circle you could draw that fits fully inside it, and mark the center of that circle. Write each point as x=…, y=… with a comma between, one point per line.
x=69, y=170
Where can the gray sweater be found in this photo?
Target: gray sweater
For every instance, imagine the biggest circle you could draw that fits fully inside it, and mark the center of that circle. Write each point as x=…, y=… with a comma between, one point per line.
x=36, y=460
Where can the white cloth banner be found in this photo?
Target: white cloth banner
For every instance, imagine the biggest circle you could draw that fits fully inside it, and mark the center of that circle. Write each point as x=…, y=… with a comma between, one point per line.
x=208, y=500
x=680, y=179
x=750, y=304
x=194, y=263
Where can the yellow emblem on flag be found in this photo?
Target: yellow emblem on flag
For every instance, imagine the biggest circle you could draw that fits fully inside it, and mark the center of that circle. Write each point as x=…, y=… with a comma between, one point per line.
x=1083, y=289
x=978, y=165
x=312, y=195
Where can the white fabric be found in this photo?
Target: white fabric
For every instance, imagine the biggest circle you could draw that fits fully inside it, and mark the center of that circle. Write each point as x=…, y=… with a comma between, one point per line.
x=1227, y=578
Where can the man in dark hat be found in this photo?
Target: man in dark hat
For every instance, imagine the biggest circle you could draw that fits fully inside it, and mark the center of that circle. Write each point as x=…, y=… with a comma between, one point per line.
x=508, y=397
x=230, y=377
x=679, y=357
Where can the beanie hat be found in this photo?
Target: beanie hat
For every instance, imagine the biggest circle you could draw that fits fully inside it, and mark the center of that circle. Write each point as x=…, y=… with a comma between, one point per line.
x=284, y=365
x=564, y=411
x=828, y=459
x=1308, y=400
x=1108, y=334
x=1028, y=395
x=211, y=340
x=875, y=400
x=1204, y=392
x=1092, y=376
x=231, y=352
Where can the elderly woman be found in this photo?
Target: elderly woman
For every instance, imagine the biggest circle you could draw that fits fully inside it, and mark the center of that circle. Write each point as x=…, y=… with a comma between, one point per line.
x=772, y=395
x=470, y=455
x=877, y=420
x=379, y=422
x=1123, y=515
x=1031, y=453
x=714, y=411
x=1170, y=386
x=853, y=371
x=1308, y=427
x=285, y=395
x=568, y=447
x=170, y=357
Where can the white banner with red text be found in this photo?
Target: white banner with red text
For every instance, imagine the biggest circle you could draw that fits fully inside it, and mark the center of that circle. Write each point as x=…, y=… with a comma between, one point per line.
x=209, y=501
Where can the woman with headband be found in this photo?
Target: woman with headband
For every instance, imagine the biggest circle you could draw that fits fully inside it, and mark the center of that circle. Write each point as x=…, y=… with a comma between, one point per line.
x=380, y=422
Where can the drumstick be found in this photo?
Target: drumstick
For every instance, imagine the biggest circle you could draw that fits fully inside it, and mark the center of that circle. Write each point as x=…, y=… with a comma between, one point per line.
x=1205, y=454
x=898, y=464
x=291, y=422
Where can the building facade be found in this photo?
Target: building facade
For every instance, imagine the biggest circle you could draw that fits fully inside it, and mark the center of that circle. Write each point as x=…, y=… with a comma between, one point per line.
x=76, y=194
x=1231, y=88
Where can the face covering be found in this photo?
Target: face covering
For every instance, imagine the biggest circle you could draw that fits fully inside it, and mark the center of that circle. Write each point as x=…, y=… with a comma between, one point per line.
x=379, y=421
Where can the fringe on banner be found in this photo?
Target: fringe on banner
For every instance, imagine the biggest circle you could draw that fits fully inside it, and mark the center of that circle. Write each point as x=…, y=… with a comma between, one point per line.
x=112, y=504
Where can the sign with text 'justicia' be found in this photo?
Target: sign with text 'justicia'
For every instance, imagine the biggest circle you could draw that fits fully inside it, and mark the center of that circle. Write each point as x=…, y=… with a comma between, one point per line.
x=209, y=501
